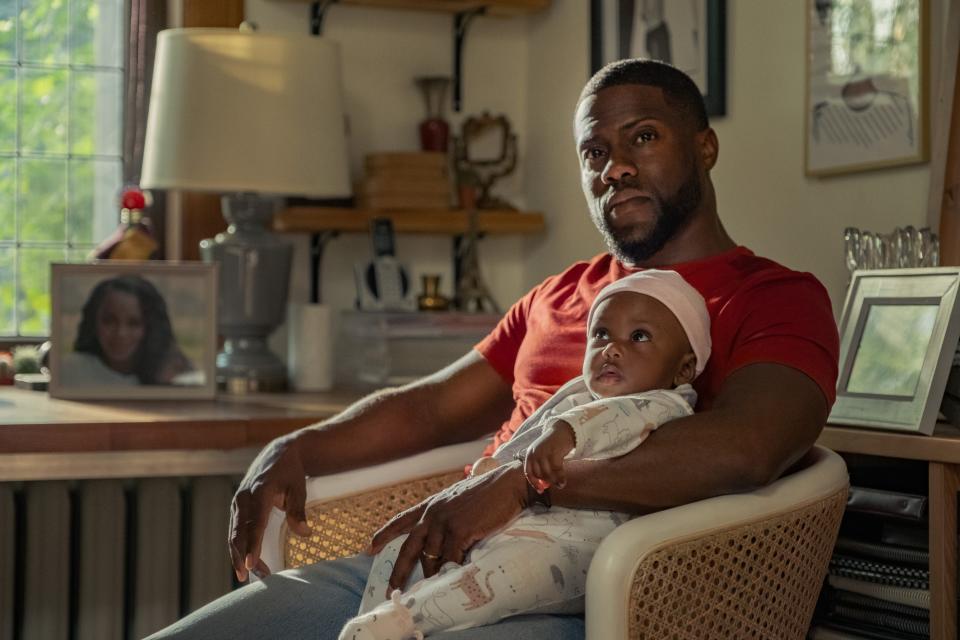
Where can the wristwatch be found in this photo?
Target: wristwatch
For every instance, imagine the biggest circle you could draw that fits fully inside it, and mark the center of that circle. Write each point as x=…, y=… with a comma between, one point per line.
x=533, y=497
x=542, y=499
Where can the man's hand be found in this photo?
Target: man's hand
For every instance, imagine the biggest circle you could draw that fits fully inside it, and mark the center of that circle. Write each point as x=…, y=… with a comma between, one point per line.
x=275, y=478
x=544, y=459
x=446, y=525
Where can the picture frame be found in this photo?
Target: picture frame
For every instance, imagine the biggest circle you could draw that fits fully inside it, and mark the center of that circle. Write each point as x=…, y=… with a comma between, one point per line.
x=654, y=32
x=867, y=83
x=898, y=336
x=133, y=330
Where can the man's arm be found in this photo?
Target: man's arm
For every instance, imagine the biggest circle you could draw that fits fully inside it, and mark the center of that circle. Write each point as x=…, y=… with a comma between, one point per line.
x=464, y=401
x=764, y=419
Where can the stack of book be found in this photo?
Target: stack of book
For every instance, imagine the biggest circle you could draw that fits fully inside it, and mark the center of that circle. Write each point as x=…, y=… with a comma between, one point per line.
x=878, y=583
x=405, y=180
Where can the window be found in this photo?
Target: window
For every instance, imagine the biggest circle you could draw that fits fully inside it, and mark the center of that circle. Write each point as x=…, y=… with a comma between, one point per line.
x=61, y=103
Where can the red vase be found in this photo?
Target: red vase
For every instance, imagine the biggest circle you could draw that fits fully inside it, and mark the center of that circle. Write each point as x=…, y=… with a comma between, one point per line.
x=434, y=134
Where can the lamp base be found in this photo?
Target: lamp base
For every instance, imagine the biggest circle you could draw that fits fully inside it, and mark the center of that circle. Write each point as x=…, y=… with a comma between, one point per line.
x=252, y=297
x=246, y=365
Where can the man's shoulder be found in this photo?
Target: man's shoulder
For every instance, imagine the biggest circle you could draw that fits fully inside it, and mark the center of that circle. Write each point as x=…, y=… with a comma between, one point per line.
x=741, y=271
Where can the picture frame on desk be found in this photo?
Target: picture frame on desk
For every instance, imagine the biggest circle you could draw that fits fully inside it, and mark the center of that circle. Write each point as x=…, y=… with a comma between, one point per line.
x=133, y=330
x=898, y=335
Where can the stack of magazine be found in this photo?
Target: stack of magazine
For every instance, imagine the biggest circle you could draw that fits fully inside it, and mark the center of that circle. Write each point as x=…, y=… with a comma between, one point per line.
x=878, y=583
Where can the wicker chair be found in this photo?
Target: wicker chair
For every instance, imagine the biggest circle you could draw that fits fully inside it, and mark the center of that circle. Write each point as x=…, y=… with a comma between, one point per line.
x=738, y=566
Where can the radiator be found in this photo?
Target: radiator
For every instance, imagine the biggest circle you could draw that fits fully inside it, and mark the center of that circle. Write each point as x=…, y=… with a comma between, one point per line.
x=110, y=559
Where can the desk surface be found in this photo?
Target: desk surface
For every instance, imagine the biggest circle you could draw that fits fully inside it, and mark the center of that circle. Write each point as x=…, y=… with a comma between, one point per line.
x=32, y=422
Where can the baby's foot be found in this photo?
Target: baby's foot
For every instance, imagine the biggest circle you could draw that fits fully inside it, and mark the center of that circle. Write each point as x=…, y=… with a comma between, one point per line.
x=387, y=621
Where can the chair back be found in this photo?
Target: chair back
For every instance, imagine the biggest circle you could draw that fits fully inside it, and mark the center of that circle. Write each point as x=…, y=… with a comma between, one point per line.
x=738, y=566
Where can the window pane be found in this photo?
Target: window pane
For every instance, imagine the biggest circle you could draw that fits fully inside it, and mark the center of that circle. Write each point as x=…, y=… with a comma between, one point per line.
x=97, y=35
x=94, y=187
x=95, y=113
x=33, y=296
x=8, y=199
x=7, y=290
x=44, y=110
x=46, y=29
x=79, y=253
x=8, y=30
x=43, y=200
x=8, y=109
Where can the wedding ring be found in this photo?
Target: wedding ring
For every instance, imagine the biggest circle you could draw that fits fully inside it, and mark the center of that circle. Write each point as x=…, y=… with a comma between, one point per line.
x=429, y=556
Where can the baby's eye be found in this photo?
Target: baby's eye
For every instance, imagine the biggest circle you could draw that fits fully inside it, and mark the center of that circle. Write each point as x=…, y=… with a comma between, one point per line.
x=600, y=334
x=639, y=336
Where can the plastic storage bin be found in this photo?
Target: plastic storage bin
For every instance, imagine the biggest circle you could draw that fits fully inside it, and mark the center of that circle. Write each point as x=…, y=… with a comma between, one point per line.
x=378, y=349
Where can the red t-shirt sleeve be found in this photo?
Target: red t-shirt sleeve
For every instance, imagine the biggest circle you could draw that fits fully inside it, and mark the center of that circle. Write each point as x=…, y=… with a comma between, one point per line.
x=788, y=320
x=501, y=345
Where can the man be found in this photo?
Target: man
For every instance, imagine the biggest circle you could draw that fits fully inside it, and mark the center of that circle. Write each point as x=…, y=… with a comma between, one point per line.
x=646, y=152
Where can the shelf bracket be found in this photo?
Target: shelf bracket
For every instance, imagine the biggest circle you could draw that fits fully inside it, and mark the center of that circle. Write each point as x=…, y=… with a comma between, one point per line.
x=318, y=11
x=318, y=242
x=461, y=22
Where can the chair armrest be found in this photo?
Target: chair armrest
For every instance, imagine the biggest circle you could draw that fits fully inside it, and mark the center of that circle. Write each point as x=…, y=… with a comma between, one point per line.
x=337, y=485
x=698, y=543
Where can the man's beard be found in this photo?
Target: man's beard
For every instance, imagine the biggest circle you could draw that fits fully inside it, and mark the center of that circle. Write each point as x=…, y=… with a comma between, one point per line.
x=672, y=215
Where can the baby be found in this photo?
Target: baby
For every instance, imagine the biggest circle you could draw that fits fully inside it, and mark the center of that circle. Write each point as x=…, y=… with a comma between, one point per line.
x=648, y=338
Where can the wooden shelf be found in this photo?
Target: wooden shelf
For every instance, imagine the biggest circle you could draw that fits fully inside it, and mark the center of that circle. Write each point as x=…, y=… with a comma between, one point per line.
x=452, y=222
x=494, y=7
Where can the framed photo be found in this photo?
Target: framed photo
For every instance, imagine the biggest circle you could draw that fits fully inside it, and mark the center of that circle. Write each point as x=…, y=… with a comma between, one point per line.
x=898, y=336
x=866, y=97
x=133, y=330
x=691, y=36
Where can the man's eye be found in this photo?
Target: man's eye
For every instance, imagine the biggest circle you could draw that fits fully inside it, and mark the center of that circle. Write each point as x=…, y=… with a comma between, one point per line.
x=639, y=336
x=646, y=136
x=593, y=153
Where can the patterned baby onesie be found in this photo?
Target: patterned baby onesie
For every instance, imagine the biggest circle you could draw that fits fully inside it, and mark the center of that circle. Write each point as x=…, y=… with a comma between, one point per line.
x=538, y=563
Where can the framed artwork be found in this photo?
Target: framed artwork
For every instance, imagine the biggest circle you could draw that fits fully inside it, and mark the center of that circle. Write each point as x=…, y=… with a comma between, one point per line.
x=866, y=95
x=690, y=35
x=898, y=336
x=133, y=330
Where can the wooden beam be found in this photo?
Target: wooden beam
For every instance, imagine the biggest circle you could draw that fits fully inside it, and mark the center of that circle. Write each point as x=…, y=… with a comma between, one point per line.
x=200, y=212
x=945, y=186
x=212, y=13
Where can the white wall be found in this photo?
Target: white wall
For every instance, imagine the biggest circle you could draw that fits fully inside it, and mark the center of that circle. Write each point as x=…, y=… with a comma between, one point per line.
x=533, y=68
x=765, y=200
x=382, y=51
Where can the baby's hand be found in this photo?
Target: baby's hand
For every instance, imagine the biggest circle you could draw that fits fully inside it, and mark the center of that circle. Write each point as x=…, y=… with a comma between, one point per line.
x=544, y=460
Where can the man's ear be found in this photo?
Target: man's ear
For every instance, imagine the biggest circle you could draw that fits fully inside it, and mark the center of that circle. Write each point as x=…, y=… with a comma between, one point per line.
x=709, y=147
x=687, y=371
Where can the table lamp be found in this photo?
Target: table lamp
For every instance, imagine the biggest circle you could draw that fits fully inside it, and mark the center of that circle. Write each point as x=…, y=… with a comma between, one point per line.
x=253, y=116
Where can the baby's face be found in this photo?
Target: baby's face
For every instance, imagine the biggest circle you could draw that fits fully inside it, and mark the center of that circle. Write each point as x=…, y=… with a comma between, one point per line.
x=635, y=344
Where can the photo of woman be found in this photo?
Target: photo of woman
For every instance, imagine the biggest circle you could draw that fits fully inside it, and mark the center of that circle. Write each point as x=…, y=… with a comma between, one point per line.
x=125, y=337
x=133, y=330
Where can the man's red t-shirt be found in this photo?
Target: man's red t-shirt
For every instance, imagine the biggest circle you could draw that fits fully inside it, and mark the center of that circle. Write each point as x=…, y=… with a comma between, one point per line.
x=760, y=312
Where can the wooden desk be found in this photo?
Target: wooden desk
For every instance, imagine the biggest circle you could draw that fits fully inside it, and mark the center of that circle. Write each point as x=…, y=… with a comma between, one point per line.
x=942, y=453
x=46, y=439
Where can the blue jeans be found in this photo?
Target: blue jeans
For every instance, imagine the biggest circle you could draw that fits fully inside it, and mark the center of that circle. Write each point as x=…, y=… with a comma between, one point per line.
x=314, y=602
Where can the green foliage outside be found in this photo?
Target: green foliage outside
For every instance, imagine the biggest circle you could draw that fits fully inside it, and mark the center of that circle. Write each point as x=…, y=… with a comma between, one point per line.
x=61, y=103
x=873, y=36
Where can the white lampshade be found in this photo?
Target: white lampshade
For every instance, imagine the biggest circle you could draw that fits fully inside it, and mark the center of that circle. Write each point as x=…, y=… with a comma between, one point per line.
x=234, y=111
